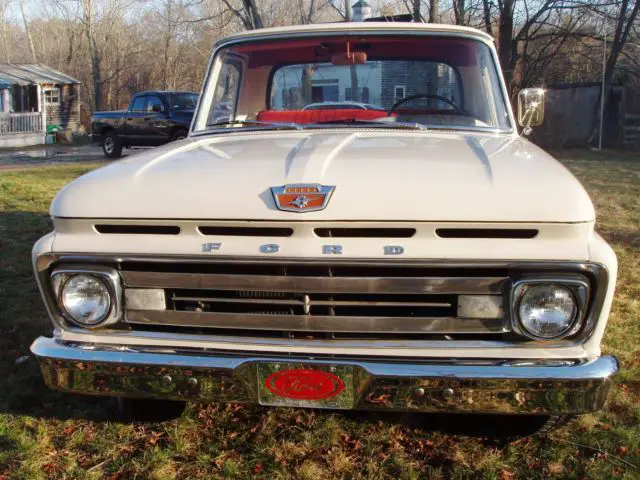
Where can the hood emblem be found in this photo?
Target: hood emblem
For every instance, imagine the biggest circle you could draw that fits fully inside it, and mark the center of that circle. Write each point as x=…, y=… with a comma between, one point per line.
x=302, y=197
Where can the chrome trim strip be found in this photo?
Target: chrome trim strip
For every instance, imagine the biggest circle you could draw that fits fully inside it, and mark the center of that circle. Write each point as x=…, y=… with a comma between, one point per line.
x=472, y=386
x=274, y=283
x=316, y=323
x=46, y=260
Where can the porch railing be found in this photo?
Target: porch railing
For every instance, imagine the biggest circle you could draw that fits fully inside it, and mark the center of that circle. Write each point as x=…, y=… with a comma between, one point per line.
x=20, y=123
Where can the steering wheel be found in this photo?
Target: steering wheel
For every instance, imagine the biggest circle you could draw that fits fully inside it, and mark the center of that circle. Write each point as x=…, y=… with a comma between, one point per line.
x=456, y=108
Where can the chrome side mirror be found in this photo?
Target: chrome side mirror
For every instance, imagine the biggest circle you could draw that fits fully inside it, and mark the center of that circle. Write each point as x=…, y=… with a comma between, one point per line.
x=530, y=108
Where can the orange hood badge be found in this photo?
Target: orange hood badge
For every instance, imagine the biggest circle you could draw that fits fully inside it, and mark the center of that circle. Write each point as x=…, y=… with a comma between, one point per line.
x=302, y=197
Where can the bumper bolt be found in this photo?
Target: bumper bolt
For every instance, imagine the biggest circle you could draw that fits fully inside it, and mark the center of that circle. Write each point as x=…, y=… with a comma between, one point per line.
x=192, y=382
x=447, y=393
x=418, y=392
x=166, y=380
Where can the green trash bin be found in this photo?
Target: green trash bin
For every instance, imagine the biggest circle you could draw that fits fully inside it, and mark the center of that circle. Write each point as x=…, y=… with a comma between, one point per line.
x=52, y=133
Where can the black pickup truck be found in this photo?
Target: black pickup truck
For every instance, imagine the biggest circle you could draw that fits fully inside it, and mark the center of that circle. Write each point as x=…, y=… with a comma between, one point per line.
x=153, y=118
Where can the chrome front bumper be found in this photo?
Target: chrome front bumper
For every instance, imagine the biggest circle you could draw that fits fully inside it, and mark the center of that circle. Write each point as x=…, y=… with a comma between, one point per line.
x=464, y=386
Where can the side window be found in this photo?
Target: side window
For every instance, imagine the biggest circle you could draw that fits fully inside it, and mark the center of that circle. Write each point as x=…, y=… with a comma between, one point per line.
x=154, y=104
x=225, y=95
x=138, y=104
x=52, y=96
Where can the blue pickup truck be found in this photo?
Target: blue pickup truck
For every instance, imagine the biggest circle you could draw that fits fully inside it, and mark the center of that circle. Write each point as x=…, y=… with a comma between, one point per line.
x=152, y=118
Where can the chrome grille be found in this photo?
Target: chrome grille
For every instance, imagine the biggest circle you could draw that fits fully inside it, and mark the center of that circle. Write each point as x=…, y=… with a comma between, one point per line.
x=296, y=303
x=281, y=299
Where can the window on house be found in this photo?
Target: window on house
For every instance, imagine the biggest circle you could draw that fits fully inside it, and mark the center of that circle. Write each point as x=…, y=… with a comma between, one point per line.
x=52, y=96
x=364, y=94
x=399, y=92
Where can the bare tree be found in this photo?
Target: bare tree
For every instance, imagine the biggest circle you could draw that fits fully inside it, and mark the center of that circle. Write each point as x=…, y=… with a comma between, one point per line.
x=625, y=21
x=5, y=41
x=247, y=13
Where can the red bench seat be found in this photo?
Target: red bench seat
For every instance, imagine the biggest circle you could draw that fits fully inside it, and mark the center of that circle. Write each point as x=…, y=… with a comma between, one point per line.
x=316, y=116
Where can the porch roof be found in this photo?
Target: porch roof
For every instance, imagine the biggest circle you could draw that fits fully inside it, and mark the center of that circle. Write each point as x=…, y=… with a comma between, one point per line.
x=31, y=74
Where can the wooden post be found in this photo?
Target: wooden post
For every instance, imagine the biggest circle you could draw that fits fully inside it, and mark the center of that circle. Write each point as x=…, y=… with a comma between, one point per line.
x=42, y=106
x=6, y=101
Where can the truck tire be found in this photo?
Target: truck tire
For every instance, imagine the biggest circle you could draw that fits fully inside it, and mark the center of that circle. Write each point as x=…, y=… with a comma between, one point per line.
x=147, y=410
x=111, y=145
x=179, y=135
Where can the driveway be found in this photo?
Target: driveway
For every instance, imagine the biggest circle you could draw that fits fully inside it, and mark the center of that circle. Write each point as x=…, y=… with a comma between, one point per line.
x=42, y=155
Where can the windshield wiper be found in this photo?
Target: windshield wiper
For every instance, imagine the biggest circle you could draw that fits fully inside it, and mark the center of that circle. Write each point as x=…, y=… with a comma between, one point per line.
x=280, y=125
x=399, y=125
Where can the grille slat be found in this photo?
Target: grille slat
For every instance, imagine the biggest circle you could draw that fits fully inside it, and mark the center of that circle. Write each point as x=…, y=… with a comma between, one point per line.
x=259, y=301
x=317, y=284
x=308, y=323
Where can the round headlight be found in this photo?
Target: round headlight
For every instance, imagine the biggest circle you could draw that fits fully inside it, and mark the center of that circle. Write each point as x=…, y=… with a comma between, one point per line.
x=86, y=299
x=547, y=311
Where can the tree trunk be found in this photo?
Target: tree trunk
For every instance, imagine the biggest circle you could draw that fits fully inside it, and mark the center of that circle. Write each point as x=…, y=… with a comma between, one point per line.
x=624, y=24
x=253, y=14
x=432, y=86
x=5, y=43
x=306, y=90
x=417, y=17
x=434, y=11
x=459, y=11
x=94, y=56
x=355, y=94
x=28, y=32
x=505, y=40
x=96, y=76
x=168, y=33
x=486, y=7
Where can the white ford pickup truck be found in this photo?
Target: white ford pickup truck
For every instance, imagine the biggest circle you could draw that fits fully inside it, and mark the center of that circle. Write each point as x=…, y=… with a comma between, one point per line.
x=417, y=254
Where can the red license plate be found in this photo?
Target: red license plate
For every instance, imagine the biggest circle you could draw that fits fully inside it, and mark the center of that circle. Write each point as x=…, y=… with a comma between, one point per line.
x=306, y=385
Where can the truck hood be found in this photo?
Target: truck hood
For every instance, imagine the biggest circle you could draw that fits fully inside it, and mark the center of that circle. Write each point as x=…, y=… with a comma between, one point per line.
x=378, y=176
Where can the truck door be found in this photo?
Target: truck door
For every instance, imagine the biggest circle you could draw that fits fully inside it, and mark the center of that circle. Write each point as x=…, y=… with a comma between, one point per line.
x=157, y=128
x=134, y=121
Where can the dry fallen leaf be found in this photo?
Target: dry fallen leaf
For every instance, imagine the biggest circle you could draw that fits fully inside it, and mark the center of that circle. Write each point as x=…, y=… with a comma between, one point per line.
x=622, y=451
x=507, y=475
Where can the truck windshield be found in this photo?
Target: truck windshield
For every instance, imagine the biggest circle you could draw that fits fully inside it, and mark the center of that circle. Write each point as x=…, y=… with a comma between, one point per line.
x=369, y=80
x=183, y=101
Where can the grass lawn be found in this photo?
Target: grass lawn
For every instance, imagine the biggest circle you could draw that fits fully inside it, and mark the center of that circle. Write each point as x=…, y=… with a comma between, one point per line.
x=44, y=434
